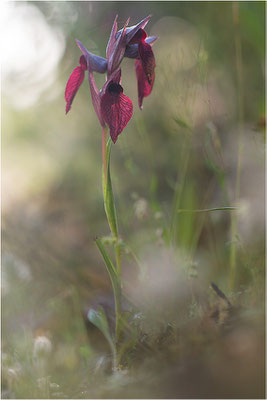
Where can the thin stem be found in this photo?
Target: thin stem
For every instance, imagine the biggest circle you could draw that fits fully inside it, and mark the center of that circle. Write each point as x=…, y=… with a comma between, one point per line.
x=104, y=154
x=117, y=298
x=117, y=294
x=208, y=210
x=239, y=71
x=179, y=187
x=118, y=258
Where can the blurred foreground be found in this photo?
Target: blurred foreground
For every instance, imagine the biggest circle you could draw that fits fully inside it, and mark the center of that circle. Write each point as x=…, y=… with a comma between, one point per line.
x=181, y=152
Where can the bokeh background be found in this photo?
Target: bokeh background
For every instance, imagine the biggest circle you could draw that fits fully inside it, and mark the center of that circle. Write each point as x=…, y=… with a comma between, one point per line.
x=182, y=151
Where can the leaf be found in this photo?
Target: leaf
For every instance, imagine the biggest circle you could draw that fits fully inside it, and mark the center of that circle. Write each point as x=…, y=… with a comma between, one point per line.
x=115, y=280
x=108, y=196
x=99, y=319
x=110, y=267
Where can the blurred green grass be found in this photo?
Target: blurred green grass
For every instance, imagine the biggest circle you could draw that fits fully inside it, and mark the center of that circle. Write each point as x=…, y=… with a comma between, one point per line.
x=180, y=152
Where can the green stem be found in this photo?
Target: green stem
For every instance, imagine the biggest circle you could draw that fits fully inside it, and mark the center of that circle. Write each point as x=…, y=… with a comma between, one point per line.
x=118, y=257
x=239, y=71
x=208, y=210
x=114, y=233
x=104, y=153
x=117, y=297
x=179, y=187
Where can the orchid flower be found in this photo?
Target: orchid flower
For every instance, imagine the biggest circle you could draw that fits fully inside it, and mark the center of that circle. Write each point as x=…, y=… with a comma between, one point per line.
x=111, y=105
x=114, y=109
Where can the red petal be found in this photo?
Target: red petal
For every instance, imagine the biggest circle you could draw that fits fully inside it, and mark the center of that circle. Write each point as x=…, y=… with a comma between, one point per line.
x=74, y=82
x=138, y=37
x=144, y=88
x=83, y=63
x=95, y=96
x=148, y=60
x=116, y=109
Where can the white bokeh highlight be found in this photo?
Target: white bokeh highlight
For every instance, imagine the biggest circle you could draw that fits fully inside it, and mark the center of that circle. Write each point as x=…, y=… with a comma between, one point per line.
x=31, y=51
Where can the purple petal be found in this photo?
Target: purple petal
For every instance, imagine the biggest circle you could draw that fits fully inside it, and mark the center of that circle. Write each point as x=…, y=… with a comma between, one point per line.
x=112, y=38
x=131, y=31
x=97, y=63
x=118, y=50
x=95, y=95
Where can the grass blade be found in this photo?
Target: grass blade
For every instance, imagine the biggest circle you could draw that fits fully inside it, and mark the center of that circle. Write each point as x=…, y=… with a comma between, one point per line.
x=115, y=280
x=109, y=265
x=182, y=123
x=207, y=210
x=108, y=196
x=99, y=319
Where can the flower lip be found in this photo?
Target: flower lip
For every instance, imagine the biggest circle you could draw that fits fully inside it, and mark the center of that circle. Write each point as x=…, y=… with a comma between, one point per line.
x=115, y=78
x=114, y=88
x=116, y=109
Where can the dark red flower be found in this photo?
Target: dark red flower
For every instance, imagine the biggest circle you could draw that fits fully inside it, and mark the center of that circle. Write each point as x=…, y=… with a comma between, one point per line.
x=74, y=82
x=111, y=105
